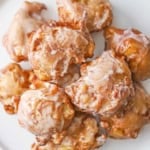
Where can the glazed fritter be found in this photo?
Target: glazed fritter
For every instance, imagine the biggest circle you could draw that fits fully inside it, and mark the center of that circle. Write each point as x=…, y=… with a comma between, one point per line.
x=27, y=19
x=55, y=47
x=99, y=12
x=134, y=45
x=83, y=134
x=13, y=82
x=130, y=119
x=45, y=112
x=104, y=85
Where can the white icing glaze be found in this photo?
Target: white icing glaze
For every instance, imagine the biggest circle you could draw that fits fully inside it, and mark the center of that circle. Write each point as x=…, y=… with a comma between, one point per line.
x=100, y=71
x=96, y=17
x=39, y=109
x=59, y=48
x=129, y=34
x=99, y=89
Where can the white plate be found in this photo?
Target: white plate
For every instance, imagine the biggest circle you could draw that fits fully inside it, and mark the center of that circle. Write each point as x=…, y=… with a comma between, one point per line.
x=127, y=13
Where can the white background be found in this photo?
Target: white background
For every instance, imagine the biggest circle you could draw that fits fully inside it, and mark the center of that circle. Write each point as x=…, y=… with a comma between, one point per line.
x=127, y=13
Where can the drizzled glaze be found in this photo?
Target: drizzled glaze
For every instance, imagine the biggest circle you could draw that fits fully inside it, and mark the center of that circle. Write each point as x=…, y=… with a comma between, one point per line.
x=98, y=13
x=104, y=86
x=45, y=111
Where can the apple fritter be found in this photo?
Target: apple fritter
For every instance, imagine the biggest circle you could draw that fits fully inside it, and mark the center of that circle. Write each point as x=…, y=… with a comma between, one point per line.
x=13, y=82
x=27, y=19
x=134, y=45
x=83, y=134
x=99, y=12
x=45, y=112
x=55, y=47
x=129, y=120
x=104, y=85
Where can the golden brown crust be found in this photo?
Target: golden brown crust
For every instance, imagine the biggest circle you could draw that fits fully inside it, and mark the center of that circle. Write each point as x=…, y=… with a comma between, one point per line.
x=45, y=112
x=105, y=84
x=55, y=46
x=99, y=12
x=134, y=45
x=27, y=19
x=83, y=134
x=13, y=82
x=103, y=93
x=71, y=76
x=131, y=118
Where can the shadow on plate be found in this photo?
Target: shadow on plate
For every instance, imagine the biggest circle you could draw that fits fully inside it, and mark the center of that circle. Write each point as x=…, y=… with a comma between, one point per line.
x=3, y=147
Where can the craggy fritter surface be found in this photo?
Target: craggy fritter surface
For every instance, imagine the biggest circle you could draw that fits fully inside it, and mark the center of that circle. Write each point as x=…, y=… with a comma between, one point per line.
x=13, y=82
x=83, y=134
x=45, y=112
x=105, y=85
x=134, y=45
x=129, y=120
x=66, y=101
x=99, y=12
x=71, y=76
x=56, y=46
x=27, y=19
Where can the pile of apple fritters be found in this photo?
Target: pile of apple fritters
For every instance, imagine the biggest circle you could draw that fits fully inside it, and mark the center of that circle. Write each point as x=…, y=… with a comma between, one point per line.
x=65, y=100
